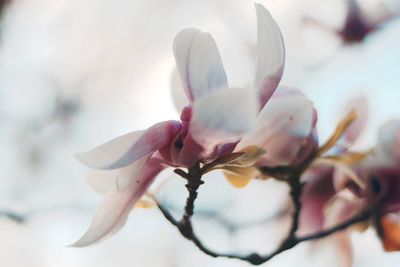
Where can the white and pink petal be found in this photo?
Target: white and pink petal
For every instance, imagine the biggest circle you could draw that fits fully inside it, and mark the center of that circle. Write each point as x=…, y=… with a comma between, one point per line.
x=199, y=63
x=282, y=127
x=223, y=117
x=112, y=214
x=270, y=55
x=130, y=147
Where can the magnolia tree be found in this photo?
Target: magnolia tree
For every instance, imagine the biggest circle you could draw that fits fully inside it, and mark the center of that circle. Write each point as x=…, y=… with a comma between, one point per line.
x=262, y=132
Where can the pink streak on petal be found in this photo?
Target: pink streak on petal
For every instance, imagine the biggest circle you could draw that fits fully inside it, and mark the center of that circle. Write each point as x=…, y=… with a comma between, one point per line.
x=111, y=215
x=317, y=193
x=186, y=116
x=388, y=146
x=128, y=148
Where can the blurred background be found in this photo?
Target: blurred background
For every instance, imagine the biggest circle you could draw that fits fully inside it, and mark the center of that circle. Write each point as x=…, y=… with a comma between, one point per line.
x=74, y=74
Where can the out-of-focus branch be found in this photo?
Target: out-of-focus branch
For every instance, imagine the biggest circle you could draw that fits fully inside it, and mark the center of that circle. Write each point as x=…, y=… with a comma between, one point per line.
x=234, y=227
x=23, y=217
x=3, y=4
x=16, y=217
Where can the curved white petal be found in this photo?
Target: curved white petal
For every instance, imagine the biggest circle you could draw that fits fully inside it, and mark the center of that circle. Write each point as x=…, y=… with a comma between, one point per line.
x=128, y=148
x=360, y=106
x=270, y=55
x=281, y=127
x=103, y=180
x=177, y=91
x=223, y=116
x=126, y=175
x=111, y=215
x=388, y=146
x=199, y=63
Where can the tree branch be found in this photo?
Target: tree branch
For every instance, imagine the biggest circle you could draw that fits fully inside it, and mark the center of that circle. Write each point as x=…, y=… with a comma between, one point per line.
x=289, y=175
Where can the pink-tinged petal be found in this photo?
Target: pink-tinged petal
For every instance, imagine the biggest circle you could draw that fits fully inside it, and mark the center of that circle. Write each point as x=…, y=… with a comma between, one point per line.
x=102, y=180
x=128, y=148
x=360, y=106
x=318, y=191
x=223, y=117
x=127, y=174
x=199, y=63
x=282, y=128
x=270, y=55
x=341, y=209
x=321, y=210
x=339, y=246
x=341, y=242
x=177, y=91
x=342, y=174
x=388, y=146
x=111, y=215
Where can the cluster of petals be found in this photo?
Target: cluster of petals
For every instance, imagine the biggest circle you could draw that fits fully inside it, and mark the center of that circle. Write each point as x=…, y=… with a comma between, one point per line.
x=333, y=194
x=217, y=121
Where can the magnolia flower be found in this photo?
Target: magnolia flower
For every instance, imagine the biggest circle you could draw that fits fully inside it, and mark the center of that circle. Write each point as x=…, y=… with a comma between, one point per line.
x=323, y=179
x=285, y=129
x=381, y=174
x=321, y=208
x=332, y=196
x=358, y=25
x=210, y=126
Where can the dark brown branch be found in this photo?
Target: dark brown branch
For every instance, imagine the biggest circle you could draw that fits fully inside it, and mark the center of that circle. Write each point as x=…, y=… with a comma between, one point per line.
x=289, y=175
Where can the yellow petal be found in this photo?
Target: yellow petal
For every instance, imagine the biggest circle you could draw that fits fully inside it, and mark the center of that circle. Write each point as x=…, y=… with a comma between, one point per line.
x=240, y=177
x=350, y=158
x=246, y=157
x=361, y=227
x=237, y=181
x=145, y=204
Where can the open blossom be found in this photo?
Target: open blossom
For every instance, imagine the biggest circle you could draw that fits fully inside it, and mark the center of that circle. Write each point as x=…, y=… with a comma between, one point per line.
x=358, y=25
x=332, y=195
x=381, y=174
x=321, y=208
x=210, y=126
x=285, y=129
